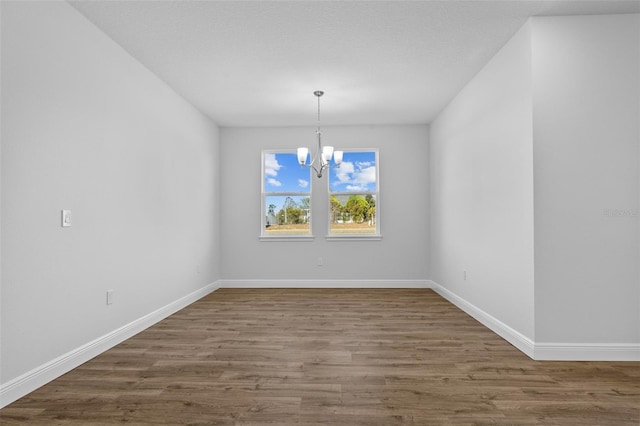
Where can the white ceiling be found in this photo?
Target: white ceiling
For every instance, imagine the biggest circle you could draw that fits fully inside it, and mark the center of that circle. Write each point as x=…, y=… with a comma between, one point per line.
x=257, y=63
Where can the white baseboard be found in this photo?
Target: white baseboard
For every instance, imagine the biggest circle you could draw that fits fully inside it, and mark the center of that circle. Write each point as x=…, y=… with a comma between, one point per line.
x=30, y=381
x=587, y=352
x=517, y=339
x=39, y=376
x=544, y=351
x=324, y=283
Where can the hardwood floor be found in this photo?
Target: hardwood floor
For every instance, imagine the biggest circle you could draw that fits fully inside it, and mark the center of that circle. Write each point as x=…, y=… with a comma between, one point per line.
x=329, y=357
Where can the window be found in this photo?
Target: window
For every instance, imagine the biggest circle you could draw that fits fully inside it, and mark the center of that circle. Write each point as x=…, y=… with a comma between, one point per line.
x=286, y=196
x=353, y=195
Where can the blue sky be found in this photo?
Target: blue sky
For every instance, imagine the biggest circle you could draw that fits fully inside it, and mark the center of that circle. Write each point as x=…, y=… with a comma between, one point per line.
x=282, y=173
x=357, y=173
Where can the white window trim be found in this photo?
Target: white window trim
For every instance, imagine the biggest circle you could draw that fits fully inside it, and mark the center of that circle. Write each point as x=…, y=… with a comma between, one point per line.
x=263, y=195
x=275, y=238
x=355, y=237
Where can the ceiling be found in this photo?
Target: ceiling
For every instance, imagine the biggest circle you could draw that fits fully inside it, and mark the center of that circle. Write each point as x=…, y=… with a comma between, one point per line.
x=257, y=63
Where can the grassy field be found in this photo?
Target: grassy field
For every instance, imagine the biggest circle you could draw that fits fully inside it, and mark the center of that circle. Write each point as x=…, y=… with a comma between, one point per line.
x=336, y=228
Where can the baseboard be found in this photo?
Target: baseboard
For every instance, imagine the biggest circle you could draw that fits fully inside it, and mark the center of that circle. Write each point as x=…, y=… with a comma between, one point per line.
x=324, y=283
x=517, y=339
x=544, y=351
x=587, y=352
x=32, y=380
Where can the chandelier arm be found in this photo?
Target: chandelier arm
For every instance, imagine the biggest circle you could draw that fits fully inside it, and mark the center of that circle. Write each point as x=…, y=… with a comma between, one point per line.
x=318, y=172
x=319, y=155
x=319, y=150
x=313, y=160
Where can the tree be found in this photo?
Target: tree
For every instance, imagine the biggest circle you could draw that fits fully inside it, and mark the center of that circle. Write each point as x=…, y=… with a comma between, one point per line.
x=296, y=215
x=305, y=206
x=370, y=200
x=371, y=215
x=305, y=203
x=357, y=207
x=336, y=208
x=288, y=205
x=371, y=211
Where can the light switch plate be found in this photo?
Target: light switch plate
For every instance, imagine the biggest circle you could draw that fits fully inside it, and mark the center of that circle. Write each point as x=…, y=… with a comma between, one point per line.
x=66, y=218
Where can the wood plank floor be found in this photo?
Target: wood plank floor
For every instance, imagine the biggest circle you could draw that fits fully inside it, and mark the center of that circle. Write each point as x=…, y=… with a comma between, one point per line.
x=329, y=357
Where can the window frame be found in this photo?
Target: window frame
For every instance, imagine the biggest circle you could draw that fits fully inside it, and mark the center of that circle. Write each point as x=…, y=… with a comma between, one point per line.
x=264, y=194
x=356, y=237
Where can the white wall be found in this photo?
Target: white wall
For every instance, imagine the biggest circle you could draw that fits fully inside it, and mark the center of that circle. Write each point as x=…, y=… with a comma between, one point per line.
x=400, y=255
x=482, y=190
x=87, y=128
x=586, y=150
x=553, y=119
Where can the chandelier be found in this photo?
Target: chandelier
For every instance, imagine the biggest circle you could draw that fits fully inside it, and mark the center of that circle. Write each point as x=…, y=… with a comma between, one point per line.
x=322, y=158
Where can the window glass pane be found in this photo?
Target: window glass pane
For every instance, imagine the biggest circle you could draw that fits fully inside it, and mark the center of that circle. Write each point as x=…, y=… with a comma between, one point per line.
x=282, y=173
x=286, y=195
x=357, y=173
x=287, y=215
x=353, y=214
x=353, y=195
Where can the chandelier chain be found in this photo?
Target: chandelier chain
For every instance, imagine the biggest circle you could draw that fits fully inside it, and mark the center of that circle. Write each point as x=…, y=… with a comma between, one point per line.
x=318, y=93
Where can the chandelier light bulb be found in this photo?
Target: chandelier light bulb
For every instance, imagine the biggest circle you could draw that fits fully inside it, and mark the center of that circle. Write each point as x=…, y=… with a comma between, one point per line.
x=302, y=155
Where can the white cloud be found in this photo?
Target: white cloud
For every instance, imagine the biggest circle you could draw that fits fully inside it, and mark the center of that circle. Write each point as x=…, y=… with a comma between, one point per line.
x=303, y=183
x=365, y=176
x=344, y=172
x=271, y=165
x=356, y=187
x=356, y=177
x=274, y=182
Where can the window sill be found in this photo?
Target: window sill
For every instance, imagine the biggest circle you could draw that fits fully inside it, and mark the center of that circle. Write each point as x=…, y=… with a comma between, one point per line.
x=297, y=238
x=353, y=237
